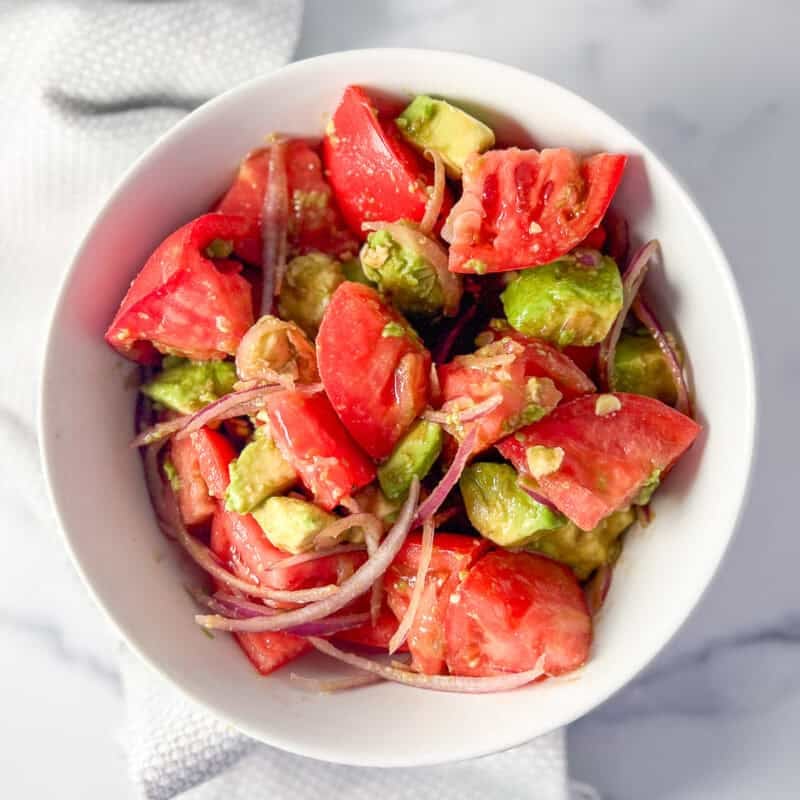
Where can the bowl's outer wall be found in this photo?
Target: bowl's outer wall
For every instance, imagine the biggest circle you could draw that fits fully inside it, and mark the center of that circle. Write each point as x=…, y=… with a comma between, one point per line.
x=137, y=578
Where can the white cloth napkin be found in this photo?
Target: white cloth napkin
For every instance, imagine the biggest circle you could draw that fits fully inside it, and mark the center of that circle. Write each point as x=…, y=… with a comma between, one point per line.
x=85, y=86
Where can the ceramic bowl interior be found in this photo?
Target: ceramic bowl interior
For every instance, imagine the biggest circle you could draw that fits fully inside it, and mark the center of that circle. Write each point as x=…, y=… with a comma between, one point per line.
x=137, y=577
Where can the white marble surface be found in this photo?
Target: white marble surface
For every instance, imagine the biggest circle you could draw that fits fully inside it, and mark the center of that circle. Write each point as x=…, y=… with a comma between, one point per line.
x=713, y=87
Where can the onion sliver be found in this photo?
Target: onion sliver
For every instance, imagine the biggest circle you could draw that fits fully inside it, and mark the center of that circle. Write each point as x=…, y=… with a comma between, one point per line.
x=230, y=606
x=359, y=583
x=450, y=479
x=314, y=555
x=274, y=226
x=439, y=683
x=326, y=685
x=631, y=283
x=425, y=554
x=645, y=315
x=434, y=205
x=330, y=534
x=329, y=625
x=464, y=415
x=525, y=483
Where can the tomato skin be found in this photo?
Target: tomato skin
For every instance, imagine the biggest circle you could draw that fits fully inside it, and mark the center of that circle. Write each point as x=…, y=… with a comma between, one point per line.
x=183, y=302
x=524, y=208
x=214, y=454
x=375, y=174
x=315, y=222
x=606, y=458
x=194, y=502
x=269, y=650
x=313, y=440
x=542, y=360
x=512, y=608
x=241, y=545
x=377, y=384
x=452, y=555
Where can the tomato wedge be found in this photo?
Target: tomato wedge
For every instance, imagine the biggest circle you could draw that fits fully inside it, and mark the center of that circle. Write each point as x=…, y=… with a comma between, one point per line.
x=523, y=208
x=183, y=302
x=315, y=222
x=542, y=360
x=373, y=366
x=607, y=457
x=452, y=554
x=511, y=609
x=194, y=502
x=375, y=174
x=374, y=637
x=214, y=454
x=269, y=650
x=498, y=369
x=241, y=545
x=313, y=440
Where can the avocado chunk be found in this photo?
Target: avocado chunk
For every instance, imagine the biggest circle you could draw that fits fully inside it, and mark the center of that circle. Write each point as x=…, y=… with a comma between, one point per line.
x=411, y=270
x=353, y=271
x=499, y=510
x=372, y=500
x=259, y=472
x=186, y=386
x=291, y=524
x=430, y=124
x=565, y=302
x=640, y=367
x=413, y=456
x=584, y=551
x=308, y=285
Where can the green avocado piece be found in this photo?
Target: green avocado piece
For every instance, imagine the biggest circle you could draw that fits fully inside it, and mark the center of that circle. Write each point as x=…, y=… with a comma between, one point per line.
x=397, y=259
x=640, y=368
x=413, y=456
x=584, y=551
x=499, y=510
x=291, y=524
x=354, y=272
x=565, y=302
x=259, y=472
x=648, y=488
x=308, y=285
x=186, y=386
x=431, y=124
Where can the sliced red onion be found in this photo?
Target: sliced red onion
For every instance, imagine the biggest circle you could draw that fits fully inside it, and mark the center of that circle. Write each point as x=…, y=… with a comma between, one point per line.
x=362, y=580
x=230, y=606
x=426, y=551
x=527, y=486
x=162, y=500
x=330, y=625
x=617, y=237
x=439, y=683
x=330, y=534
x=231, y=405
x=326, y=685
x=465, y=415
x=372, y=537
x=247, y=607
x=274, y=226
x=314, y=555
x=434, y=205
x=160, y=431
x=445, y=347
x=632, y=281
x=450, y=479
x=596, y=589
x=646, y=316
x=644, y=515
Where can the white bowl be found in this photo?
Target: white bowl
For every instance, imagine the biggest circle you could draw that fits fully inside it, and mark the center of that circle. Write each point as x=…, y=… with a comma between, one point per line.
x=137, y=578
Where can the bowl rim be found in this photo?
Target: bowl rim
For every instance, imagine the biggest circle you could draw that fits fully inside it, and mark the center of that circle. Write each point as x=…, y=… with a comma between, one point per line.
x=749, y=429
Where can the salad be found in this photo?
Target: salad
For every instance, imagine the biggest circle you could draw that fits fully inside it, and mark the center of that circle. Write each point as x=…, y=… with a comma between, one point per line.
x=402, y=396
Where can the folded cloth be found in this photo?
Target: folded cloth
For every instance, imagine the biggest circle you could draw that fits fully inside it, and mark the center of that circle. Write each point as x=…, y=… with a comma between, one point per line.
x=87, y=86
